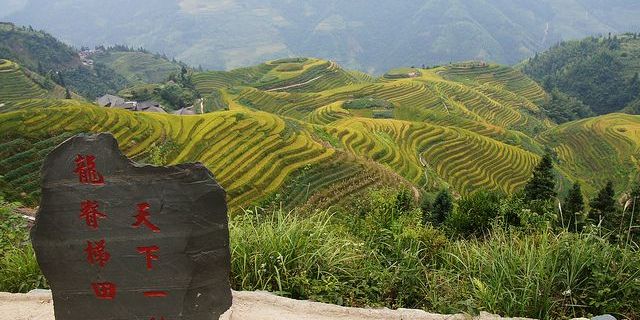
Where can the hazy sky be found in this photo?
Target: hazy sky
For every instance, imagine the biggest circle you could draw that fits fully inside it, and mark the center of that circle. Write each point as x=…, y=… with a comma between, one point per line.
x=371, y=35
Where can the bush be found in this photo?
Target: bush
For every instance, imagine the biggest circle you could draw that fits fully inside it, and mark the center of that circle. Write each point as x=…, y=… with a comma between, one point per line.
x=368, y=103
x=13, y=228
x=438, y=211
x=289, y=60
x=290, y=67
x=19, y=271
x=475, y=213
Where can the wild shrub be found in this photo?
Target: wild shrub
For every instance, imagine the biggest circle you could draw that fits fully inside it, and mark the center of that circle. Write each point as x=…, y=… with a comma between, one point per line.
x=475, y=213
x=19, y=270
x=289, y=67
x=438, y=211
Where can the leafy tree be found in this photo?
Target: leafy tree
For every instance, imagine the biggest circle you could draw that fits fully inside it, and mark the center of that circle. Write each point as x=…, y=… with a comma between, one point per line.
x=573, y=208
x=475, y=213
x=176, y=95
x=633, y=90
x=603, y=207
x=633, y=107
x=441, y=207
x=564, y=108
x=542, y=184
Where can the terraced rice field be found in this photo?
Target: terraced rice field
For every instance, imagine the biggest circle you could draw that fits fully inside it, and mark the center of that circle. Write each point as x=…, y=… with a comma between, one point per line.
x=288, y=138
x=467, y=161
x=313, y=76
x=597, y=149
x=251, y=154
x=15, y=85
x=502, y=101
x=498, y=76
x=138, y=67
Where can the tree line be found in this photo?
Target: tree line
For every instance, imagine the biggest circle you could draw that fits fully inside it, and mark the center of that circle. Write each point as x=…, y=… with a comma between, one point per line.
x=474, y=214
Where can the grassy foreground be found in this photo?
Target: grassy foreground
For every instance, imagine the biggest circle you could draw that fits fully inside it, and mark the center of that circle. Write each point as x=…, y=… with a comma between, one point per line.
x=381, y=254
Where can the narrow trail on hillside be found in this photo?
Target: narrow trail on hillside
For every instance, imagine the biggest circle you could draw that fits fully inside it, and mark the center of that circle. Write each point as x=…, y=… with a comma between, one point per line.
x=424, y=164
x=546, y=33
x=295, y=85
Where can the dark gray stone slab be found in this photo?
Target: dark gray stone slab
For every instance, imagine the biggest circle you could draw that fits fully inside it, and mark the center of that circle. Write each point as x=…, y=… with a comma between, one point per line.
x=118, y=240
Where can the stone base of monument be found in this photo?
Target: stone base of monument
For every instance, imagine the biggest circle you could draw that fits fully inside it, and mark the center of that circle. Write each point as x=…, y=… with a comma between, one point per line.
x=122, y=240
x=38, y=305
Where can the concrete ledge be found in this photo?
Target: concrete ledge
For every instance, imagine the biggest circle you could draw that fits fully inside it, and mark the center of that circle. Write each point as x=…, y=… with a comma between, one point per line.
x=38, y=305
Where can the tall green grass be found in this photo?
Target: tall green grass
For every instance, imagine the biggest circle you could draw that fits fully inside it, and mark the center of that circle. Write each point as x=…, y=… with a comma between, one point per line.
x=376, y=252
x=291, y=255
x=544, y=275
x=19, y=270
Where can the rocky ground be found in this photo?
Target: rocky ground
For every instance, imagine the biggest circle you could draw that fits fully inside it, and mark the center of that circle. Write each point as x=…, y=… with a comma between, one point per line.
x=38, y=305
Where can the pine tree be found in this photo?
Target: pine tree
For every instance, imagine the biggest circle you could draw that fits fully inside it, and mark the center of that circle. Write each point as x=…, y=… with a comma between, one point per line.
x=603, y=207
x=542, y=184
x=573, y=208
x=442, y=207
x=634, y=87
x=404, y=200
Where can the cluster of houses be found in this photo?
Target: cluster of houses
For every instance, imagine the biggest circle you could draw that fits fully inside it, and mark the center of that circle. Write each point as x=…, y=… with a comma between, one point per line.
x=111, y=101
x=85, y=56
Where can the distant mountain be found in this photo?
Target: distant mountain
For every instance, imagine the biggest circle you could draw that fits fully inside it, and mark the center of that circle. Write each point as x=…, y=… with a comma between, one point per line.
x=137, y=66
x=56, y=61
x=597, y=75
x=107, y=70
x=370, y=35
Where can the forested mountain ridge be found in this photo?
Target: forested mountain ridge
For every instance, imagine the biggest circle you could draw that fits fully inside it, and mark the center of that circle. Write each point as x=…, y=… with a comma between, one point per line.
x=235, y=33
x=107, y=70
x=596, y=75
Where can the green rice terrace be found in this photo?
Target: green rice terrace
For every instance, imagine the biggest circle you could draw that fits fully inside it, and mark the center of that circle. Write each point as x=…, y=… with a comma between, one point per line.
x=303, y=131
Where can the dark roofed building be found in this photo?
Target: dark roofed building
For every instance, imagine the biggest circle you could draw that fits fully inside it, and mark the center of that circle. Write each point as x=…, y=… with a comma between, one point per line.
x=109, y=100
x=185, y=111
x=144, y=105
x=154, y=109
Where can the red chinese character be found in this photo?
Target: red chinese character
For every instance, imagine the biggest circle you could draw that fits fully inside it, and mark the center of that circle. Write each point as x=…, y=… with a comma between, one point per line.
x=143, y=217
x=86, y=170
x=89, y=212
x=150, y=256
x=155, y=294
x=154, y=318
x=96, y=253
x=104, y=290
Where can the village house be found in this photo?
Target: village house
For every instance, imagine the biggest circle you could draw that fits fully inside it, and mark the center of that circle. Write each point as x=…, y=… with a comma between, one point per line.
x=185, y=111
x=111, y=101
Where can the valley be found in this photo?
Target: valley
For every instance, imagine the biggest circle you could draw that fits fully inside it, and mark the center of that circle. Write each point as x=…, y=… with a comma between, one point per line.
x=466, y=127
x=458, y=188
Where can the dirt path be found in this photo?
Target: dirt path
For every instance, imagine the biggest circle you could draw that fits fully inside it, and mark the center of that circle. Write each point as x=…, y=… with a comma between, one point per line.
x=246, y=306
x=295, y=85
